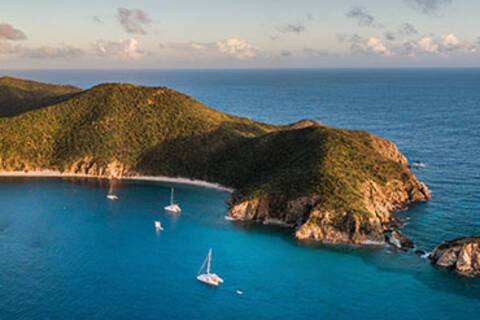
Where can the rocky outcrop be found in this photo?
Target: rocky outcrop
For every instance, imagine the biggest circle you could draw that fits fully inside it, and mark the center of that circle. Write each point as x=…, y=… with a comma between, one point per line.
x=461, y=255
x=399, y=241
x=314, y=220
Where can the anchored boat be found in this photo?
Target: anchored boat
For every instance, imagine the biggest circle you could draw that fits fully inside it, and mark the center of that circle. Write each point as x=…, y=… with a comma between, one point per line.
x=111, y=195
x=205, y=276
x=173, y=207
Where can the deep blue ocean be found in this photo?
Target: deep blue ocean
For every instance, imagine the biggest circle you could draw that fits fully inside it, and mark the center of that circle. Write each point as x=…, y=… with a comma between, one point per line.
x=66, y=252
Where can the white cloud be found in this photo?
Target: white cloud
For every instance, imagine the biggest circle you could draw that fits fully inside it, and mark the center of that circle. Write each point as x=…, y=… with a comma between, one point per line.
x=376, y=45
x=126, y=49
x=427, y=44
x=450, y=40
x=443, y=45
x=237, y=48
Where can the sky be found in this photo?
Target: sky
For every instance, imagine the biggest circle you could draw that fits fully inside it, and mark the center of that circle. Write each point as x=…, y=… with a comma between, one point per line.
x=155, y=34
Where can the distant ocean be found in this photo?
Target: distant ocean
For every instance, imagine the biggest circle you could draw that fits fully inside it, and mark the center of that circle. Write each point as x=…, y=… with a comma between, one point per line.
x=68, y=253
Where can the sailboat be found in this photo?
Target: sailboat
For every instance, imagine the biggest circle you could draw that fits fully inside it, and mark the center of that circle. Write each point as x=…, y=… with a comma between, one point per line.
x=111, y=195
x=158, y=226
x=204, y=274
x=173, y=207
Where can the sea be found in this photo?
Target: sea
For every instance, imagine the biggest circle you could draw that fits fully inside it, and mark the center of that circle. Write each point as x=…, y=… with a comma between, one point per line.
x=67, y=252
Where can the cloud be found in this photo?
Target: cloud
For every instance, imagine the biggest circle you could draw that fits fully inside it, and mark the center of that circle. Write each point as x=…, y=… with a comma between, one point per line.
x=237, y=48
x=126, y=49
x=430, y=7
x=133, y=20
x=363, y=18
x=376, y=46
x=443, y=45
x=407, y=29
x=44, y=52
x=296, y=28
x=8, y=32
x=231, y=47
x=428, y=45
x=366, y=46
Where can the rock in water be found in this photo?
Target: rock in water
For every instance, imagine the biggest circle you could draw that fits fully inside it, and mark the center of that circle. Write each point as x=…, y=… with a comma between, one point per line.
x=420, y=253
x=461, y=255
x=398, y=240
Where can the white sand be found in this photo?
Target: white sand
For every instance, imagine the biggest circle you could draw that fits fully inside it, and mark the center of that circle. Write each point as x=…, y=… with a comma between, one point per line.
x=58, y=174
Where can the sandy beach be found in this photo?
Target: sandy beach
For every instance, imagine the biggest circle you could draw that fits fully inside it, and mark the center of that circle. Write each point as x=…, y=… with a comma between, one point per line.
x=58, y=174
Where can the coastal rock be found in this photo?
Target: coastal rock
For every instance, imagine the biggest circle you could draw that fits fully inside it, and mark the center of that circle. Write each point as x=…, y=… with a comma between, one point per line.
x=420, y=253
x=398, y=240
x=461, y=255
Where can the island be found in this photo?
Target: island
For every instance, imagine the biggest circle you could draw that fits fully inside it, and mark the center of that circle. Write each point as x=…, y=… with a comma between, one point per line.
x=329, y=185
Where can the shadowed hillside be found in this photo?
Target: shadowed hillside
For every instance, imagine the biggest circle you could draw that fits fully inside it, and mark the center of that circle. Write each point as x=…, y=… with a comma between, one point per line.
x=18, y=96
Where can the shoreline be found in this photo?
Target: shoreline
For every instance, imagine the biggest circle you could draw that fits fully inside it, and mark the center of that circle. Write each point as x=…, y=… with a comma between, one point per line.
x=58, y=174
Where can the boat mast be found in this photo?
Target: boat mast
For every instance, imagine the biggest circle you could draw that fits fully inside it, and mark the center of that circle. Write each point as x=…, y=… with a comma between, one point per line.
x=209, y=258
x=171, y=197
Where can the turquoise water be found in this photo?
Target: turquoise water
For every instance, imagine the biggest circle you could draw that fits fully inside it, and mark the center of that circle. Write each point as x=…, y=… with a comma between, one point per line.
x=66, y=252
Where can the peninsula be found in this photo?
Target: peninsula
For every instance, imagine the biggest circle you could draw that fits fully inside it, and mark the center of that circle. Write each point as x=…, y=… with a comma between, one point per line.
x=327, y=184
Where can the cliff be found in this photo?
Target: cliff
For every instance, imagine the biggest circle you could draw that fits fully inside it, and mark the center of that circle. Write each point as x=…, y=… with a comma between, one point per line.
x=331, y=185
x=461, y=255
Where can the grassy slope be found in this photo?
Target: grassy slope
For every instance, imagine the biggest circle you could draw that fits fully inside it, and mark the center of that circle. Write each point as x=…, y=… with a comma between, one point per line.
x=162, y=132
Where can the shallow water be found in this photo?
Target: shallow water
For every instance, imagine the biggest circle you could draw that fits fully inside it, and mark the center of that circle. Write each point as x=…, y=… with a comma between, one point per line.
x=67, y=252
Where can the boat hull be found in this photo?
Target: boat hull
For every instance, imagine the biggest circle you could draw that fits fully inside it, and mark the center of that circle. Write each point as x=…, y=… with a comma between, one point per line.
x=173, y=208
x=210, y=279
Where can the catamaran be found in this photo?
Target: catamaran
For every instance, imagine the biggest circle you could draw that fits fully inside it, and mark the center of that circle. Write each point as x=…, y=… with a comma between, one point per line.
x=173, y=207
x=204, y=274
x=111, y=195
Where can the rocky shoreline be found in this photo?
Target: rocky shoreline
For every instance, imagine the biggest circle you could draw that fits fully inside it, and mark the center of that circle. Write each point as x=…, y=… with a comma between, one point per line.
x=313, y=220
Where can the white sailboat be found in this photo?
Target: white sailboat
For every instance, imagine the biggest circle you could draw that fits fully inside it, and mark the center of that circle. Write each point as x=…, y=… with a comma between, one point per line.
x=173, y=207
x=205, y=276
x=158, y=226
x=111, y=195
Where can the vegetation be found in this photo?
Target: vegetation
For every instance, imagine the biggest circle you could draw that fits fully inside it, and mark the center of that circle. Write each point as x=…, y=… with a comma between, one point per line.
x=17, y=96
x=158, y=131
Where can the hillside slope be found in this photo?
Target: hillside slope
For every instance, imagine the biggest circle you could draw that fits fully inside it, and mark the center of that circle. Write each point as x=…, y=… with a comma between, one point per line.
x=18, y=96
x=332, y=185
